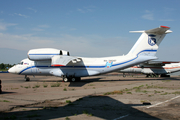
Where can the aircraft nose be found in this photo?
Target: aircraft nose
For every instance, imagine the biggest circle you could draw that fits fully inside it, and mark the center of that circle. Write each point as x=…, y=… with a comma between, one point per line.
x=12, y=70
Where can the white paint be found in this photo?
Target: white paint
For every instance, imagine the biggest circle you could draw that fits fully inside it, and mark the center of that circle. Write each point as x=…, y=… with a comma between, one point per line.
x=163, y=102
x=121, y=117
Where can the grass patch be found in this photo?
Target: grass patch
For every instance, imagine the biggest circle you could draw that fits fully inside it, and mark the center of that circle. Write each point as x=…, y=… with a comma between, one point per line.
x=67, y=118
x=87, y=113
x=142, y=101
x=114, y=92
x=4, y=101
x=177, y=92
x=68, y=101
x=166, y=80
x=165, y=93
x=55, y=84
x=36, y=86
x=156, y=91
x=45, y=85
x=72, y=89
x=65, y=89
x=27, y=87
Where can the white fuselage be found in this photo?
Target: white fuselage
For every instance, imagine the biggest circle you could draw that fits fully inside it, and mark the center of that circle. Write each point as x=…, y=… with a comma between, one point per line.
x=87, y=67
x=153, y=69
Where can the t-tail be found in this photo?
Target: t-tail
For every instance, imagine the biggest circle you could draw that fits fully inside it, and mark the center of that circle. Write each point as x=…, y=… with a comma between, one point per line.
x=148, y=42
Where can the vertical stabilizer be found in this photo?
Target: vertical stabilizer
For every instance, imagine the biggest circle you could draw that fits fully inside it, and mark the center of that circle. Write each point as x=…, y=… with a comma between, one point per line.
x=149, y=41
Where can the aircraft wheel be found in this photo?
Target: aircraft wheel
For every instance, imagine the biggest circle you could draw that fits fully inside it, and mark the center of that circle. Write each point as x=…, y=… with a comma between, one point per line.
x=65, y=79
x=73, y=79
x=27, y=79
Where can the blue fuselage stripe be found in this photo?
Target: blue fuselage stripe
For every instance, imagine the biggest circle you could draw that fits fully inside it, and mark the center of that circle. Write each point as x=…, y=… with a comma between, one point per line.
x=87, y=66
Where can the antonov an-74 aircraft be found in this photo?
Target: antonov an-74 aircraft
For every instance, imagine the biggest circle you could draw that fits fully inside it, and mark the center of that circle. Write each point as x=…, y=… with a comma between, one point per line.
x=48, y=61
x=154, y=68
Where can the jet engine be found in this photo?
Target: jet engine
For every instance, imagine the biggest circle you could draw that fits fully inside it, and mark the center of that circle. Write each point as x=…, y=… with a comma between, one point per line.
x=45, y=53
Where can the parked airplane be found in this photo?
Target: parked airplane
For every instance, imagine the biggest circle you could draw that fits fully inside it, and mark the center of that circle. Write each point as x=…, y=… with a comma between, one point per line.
x=49, y=61
x=154, y=68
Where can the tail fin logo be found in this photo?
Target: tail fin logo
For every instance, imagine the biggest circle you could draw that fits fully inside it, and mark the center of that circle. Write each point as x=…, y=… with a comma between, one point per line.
x=151, y=39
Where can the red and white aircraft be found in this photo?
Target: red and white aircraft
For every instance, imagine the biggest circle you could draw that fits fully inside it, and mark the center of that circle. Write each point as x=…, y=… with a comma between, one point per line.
x=154, y=68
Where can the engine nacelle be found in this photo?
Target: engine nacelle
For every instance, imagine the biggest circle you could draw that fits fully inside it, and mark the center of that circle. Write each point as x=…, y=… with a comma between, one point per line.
x=45, y=53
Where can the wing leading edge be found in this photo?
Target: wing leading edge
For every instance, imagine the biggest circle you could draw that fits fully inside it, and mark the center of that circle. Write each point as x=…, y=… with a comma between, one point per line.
x=60, y=60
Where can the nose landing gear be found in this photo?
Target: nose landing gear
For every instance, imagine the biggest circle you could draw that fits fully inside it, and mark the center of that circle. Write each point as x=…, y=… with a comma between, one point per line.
x=26, y=78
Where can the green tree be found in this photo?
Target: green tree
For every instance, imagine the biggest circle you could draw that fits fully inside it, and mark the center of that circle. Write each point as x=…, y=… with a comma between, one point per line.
x=2, y=66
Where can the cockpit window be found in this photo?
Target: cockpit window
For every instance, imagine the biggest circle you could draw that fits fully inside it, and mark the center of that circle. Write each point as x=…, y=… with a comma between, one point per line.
x=23, y=63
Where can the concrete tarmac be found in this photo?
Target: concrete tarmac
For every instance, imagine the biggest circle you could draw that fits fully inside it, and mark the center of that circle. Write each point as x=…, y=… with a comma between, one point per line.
x=107, y=97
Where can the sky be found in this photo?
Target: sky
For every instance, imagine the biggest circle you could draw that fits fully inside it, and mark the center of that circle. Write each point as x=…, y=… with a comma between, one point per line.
x=86, y=28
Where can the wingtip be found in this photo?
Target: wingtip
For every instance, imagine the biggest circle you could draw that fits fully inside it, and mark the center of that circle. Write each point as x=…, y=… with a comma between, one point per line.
x=164, y=26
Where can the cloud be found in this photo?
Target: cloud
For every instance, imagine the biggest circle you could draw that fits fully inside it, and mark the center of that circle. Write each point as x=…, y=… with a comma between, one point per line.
x=81, y=10
x=86, y=9
x=4, y=26
x=44, y=26
x=148, y=15
x=29, y=8
x=89, y=46
x=41, y=28
x=21, y=15
x=37, y=29
x=23, y=42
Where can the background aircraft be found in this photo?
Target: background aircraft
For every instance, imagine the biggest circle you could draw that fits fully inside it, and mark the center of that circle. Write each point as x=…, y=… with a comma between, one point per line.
x=154, y=68
x=49, y=61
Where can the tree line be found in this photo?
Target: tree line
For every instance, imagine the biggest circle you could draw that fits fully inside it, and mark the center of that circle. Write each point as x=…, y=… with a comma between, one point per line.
x=5, y=66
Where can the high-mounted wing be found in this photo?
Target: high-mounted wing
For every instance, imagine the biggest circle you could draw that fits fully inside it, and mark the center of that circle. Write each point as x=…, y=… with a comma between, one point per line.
x=60, y=60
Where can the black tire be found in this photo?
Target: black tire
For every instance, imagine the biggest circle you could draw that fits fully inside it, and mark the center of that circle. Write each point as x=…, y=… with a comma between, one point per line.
x=27, y=79
x=65, y=79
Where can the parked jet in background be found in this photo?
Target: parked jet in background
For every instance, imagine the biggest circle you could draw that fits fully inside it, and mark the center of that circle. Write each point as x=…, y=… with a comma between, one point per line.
x=48, y=61
x=154, y=68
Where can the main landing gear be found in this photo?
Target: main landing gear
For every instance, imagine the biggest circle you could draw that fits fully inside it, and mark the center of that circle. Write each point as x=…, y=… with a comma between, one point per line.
x=152, y=75
x=71, y=79
x=26, y=78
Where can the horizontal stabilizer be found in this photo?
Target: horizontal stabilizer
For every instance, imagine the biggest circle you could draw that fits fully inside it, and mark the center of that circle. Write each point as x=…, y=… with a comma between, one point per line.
x=160, y=30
